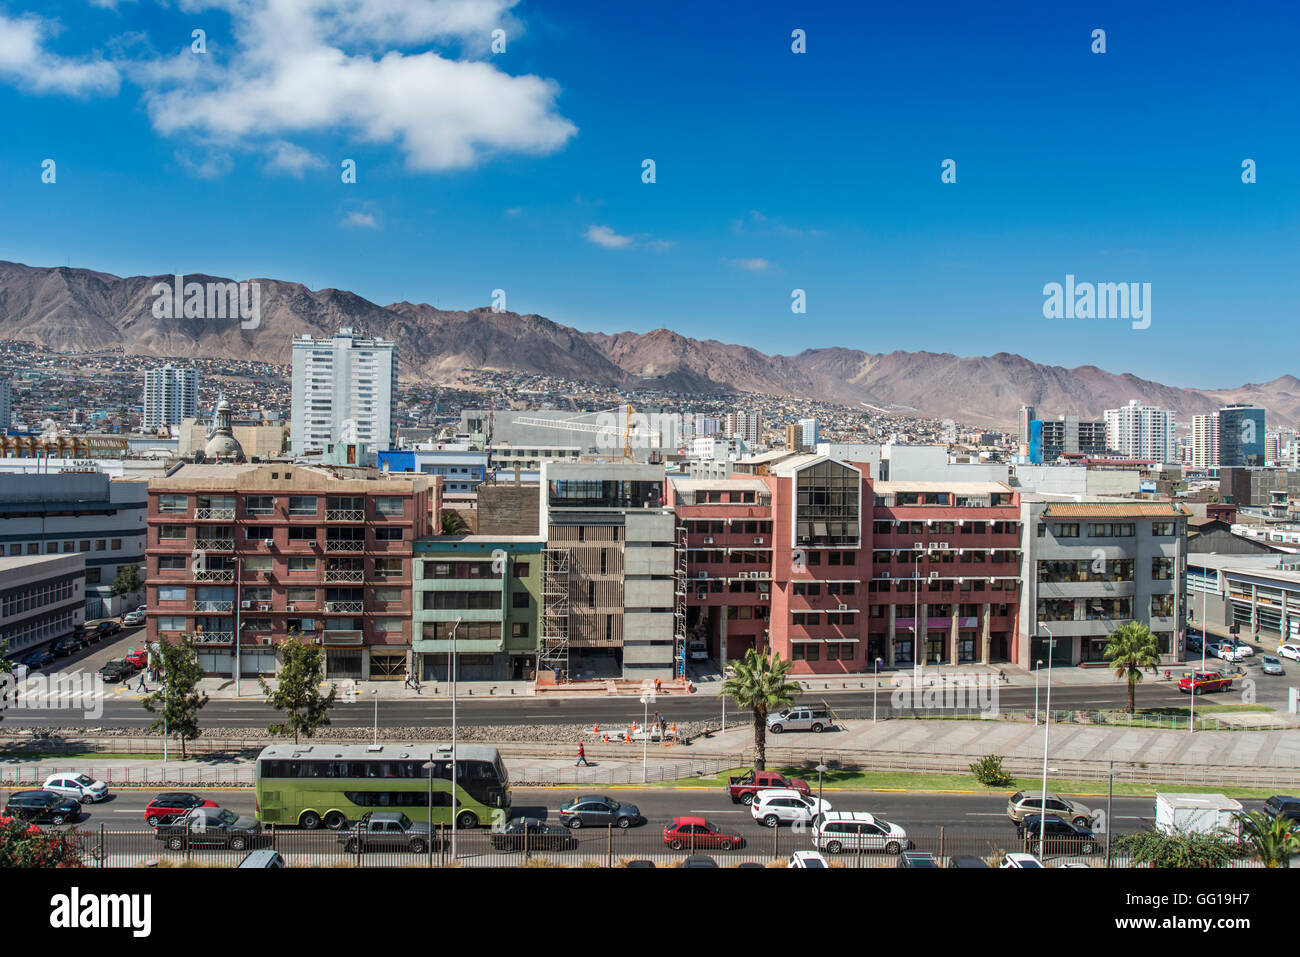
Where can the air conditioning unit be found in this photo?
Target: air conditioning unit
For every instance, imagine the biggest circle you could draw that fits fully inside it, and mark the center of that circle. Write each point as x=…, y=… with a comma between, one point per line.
x=758, y=541
x=742, y=574
x=246, y=605
x=764, y=574
x=708, y=540
x=701, y=574
x=268, y=542
x=934, y=576
x=885, y=575
x=843, y=608
x=291, y=607
x=266, y=641
x=943, y=545
x=312, y=543
x=701, y=595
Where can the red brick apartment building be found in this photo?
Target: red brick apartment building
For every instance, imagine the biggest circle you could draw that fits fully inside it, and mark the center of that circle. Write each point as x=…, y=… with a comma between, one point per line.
x=813, y=560
x=260, y=551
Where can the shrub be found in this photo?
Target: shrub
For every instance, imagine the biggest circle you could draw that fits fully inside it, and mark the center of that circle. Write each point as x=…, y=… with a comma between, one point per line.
x=988, y=772
x=26, y=845
x=1179, y=850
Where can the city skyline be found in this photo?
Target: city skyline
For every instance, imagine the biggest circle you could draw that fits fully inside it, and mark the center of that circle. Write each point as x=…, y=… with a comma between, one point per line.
x=821, y=173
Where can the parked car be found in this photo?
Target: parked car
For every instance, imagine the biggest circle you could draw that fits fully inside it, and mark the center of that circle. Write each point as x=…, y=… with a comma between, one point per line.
x=264, y=858
x=133, y=618
x=1057, y=834
x=1243, y=649
x=699, y=860
x=1285, y=805
x=1270, y=665
x=1289, y=651
x=968, y=861
x=532, y=834
x=693, y=832
x=917, y=859
x=36, y=660
x=640, y=862
x=137, y=658
x=595, y=810
x=784, y=806
x=742, y=788
x=89, y=634
x=815, y=720
x=42, y=807
x=171, y=804
x=107, y=627
x=697, y=651
x=116, y=670
x=847, y=831
x=209, y=827
x=82, y=787
x=1193, y=641
x=386, y=831
x=1023, y=803
x=1228, y=651
x=1018, y=859
x=807, y=859
x=1203, y=682
x=67, y=645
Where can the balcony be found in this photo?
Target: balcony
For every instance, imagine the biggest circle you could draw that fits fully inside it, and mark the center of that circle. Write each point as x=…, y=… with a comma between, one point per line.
x=345, y=515
x=214, y=514
x=215, y=544
x=211, y=637
x=219, y=575
x=345, y=607
x=344, y=545
x=219, y=606
x=344, y=575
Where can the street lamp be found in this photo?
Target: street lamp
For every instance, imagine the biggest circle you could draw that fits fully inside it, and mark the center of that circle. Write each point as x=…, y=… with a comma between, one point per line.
x=1205, y=637
x=430, y=767
x=875, y=691
x=374, y=692
x=647, y=700
x=239, y=574
x=451, y=675
x=821, y=769
x=1038, y=665
x=1047, y=730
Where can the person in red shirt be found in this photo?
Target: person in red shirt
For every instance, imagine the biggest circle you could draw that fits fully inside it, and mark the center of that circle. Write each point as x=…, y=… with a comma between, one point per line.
x=582, y=756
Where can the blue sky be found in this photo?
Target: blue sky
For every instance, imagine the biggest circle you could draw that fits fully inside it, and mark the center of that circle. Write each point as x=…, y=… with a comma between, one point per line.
x=775, y=171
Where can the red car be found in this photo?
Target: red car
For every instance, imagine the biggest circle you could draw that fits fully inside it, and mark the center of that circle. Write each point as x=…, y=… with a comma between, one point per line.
x=137, y=658
x=167, y=805
x=694, y=833
x=1199, y=682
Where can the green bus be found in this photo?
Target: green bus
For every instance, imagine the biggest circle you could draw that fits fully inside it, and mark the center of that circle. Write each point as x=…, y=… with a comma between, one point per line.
x=311, y=785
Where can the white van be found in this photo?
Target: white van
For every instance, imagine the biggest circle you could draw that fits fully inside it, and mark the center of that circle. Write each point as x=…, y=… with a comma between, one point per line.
x=847, y=831
x=697, y=651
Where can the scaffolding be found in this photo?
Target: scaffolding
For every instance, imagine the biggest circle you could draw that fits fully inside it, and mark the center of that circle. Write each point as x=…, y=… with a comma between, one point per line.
x=553, y=646
x=680, y=584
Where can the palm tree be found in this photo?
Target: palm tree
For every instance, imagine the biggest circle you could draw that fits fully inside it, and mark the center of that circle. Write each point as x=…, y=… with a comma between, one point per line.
x=1132, y=648
x=453, y=524
x=759, y=684
x=1272, y=841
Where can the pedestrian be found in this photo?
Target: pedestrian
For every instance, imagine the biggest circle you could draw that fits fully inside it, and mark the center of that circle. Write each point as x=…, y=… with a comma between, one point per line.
x=407, y=682
x=582, y=756
x=141, y=687
x=658, y=685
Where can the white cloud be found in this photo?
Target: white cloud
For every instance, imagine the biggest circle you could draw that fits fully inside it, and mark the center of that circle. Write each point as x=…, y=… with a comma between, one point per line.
x=604, y=236
x=108, y=4
x=310, y=66
x=358, y=220
x=753, y=265
x=26, y=63
x=292, y=159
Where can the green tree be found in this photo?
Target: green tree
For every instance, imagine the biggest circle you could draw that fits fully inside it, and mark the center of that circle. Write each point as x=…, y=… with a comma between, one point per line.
x=453, y=524
x=1132, y=649
x=176, y=699
x=1272, y=841
x=297, y=692
x=759, y=684
x=128, y=580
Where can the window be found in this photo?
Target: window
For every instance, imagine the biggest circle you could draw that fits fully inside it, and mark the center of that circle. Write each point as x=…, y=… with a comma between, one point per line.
x=259, y=563
x=1162, y=529
x=257, y=533
x=387, y=594
x=300, y=594
x=387, y=534
x=173, y=504
x=172, y=562
x=302, y=505
x=115, y=545
x=519, y=599
x=392, y=506
x=259, y=505
x=1162, y=569
x=165, y=533
x=1066, y=529
x=302, y=533
x=388, y=568
x=172, y=593
x=520, y=570
x=1162, y=606
x=93, y=575
x=519, y=629
x=100, y=544
x=297, y=564
x=171, y=623
x=386, y=626
x=1112, y=529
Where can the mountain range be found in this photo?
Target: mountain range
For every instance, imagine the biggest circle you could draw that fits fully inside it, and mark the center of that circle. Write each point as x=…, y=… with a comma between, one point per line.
x=79, y=310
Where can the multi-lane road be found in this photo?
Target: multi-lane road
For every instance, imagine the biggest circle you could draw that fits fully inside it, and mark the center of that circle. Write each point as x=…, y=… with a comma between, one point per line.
x=122, y=708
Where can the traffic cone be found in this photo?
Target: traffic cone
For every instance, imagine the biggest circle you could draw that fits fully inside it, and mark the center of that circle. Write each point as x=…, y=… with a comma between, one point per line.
x=627, y=737
x=674, y=729
x=607, y=739
x=595, y=729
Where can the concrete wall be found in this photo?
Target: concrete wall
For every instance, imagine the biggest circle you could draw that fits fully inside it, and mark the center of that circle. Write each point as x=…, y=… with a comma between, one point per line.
x=509, y=509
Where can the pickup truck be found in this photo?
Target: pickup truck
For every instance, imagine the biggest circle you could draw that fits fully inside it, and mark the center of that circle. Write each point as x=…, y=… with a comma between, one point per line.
x=1200, y=682
x=386, y=830
x=209, y=827
x=743, y=788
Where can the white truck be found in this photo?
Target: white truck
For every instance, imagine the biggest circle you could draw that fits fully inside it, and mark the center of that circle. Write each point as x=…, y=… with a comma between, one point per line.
x=1197, y=813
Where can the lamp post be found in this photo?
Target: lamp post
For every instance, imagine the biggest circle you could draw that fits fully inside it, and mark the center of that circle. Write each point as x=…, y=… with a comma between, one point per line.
x=1110, y=793
x=875, y=691
x=451, y=675
x=647, y=699
x=239, y=575
x=1205, y=637
x=821, y=769
x=430, y=767
x=916, y=619
x=1047, y=730
x=374, y=693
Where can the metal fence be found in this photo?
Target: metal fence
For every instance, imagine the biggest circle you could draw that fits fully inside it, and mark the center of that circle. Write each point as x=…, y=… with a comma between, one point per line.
x=585, y=847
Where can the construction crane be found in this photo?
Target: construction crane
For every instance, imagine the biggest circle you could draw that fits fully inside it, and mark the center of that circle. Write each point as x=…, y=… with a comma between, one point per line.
x=571, y=425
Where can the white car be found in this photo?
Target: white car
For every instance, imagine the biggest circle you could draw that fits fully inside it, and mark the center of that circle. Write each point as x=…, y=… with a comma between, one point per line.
x=1225, y=651
x=1289, y=651
x=849, y=831
x=1021, y=860
x=807, y=859
x=775, y=806
x=132, y=618
x=81, y=787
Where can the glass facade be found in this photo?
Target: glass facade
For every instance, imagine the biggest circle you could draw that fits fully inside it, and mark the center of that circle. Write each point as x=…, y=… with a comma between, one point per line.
x=827, y=506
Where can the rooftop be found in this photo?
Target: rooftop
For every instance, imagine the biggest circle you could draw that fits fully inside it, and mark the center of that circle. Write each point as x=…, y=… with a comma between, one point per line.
x=1114, y=510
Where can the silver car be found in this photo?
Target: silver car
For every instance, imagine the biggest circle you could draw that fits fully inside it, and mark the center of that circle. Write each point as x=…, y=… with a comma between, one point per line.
x=1271, y=665
x=80, y=787
x=815, y=720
